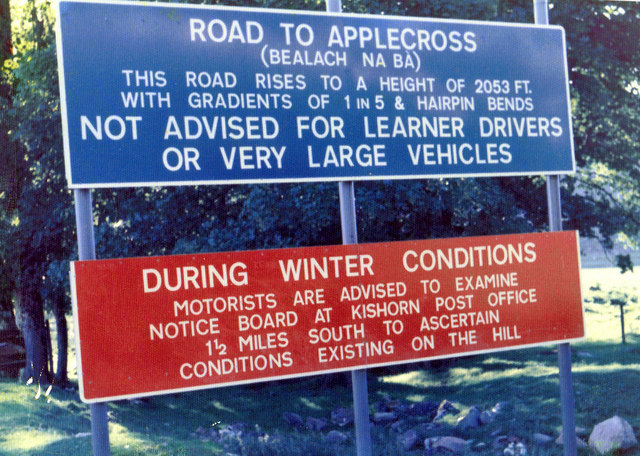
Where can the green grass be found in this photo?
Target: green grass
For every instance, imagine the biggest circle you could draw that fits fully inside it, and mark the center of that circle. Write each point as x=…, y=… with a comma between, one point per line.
x=606, y=380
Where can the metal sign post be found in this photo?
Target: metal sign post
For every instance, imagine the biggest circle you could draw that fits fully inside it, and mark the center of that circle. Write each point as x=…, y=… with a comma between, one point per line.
x=359, y=376
x=350, y=236
x=541, y=17
x=87, y=251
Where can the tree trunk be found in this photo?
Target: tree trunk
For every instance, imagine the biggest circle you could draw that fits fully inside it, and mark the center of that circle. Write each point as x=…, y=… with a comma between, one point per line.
x=61, y=378
x=7, y=317
x=33, y=332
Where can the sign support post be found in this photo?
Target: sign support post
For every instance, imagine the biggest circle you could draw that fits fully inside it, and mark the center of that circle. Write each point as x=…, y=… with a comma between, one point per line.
x=564, y=350
x=358, y=376
x=350, y=236
x=87, y=251
x=541, y=17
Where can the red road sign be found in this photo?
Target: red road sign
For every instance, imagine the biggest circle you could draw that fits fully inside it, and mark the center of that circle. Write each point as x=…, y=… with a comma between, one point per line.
x=156, y=325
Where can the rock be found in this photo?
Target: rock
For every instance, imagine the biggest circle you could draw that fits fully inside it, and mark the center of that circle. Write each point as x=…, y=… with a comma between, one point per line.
x=384, y=417
x=429, y=444
x=315, y=424
x=393, y=406
x=398, y=426
x=580, y=431
x=205, y=434
x=451, y=444
x=542, y=439
x=515, y=449
x=425, y=429
x=342, y=416
x=336, y=437
x=381, y=405
x=471, y=420
x=480, y=446
x=445, y=408
x=502, y=407
x=227, y=432
x=579, y=442
x=486, y=417
x=293, y=419
x=425, y=409
x=612, y=434
x=409, y=440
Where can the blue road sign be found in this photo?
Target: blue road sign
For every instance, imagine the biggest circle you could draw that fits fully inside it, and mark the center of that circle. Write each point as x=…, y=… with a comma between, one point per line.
x=167, y=94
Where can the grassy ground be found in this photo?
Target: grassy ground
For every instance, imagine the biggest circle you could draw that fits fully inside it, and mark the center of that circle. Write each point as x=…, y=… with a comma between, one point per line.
x=606, y=378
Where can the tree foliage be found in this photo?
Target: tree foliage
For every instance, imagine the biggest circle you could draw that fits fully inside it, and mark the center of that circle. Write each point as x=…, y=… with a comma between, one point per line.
x=36, y=209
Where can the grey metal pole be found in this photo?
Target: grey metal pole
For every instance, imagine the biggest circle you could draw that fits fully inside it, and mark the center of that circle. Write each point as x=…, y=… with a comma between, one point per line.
x=350, y=236
x=564, y=350
x=541, y=15
x=87, y=251
x=358, y=377
x=541, y=12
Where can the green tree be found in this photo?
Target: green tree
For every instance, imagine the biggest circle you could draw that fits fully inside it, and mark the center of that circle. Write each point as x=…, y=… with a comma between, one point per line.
x=43, y=204
x=602, y=199
x=8, y=158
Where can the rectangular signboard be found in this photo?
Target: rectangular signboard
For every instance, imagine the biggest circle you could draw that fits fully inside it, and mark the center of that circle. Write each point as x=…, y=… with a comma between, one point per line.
x=155, y=325
x=167, y=94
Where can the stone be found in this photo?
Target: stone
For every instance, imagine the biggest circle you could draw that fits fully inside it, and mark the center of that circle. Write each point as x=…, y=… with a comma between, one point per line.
x=399, y=426
x=384, y=417
x=579, y=442
x=612, y=434
x=445, y=408
x=451, y=444
x=471, y=420
x=394, y=406
x=382, y=404
x=580, y=431
x=480, y=446
x=502, y=407
x=342, y=416
x=542, y=439
x=293, y=419
x=425, y=409
x=336, y=437
x=408, y=440
x=230, y=432
x=315, y=424
x=425, y=429
x=486, y=417
x=515, y=449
